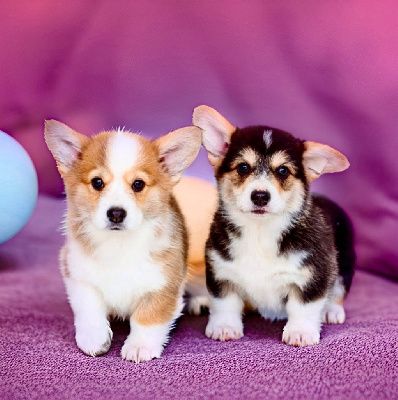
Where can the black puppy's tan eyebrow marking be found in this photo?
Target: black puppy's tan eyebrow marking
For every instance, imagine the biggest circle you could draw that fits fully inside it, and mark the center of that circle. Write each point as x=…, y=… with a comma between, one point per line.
x=279, y=158
x=248, y=156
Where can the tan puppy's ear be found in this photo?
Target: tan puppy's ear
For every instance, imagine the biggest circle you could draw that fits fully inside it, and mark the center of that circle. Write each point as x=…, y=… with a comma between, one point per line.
x=321, y=159
x=64, y=143
x=217, y=132
x=178, y=150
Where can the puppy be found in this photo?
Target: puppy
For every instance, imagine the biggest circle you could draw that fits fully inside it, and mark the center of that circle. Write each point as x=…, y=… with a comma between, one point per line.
x=126, y=246
x=273, y=244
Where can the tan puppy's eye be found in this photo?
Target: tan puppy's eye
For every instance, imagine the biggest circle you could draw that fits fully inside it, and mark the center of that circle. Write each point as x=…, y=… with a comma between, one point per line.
x=97, y=183
x=282, y=171
x=243, y=169
x=138, y=185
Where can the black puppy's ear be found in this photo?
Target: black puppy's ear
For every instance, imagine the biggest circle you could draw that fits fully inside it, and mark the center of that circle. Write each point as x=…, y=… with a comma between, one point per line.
x=321, y=159
x=217, y=132
x=64, y=143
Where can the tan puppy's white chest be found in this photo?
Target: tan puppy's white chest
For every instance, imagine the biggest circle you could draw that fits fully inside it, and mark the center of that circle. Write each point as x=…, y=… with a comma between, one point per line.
x=122, y=274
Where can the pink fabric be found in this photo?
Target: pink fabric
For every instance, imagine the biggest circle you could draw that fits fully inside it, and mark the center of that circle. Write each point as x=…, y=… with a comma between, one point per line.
x=326, y=71
x=39, y=359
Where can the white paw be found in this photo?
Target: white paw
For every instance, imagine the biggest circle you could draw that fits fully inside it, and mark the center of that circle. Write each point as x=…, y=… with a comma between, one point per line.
x=334, y=314
x=300, y=337
x=145, y=342
x=132, y=351
x=227, y=329
x=197, y=303
x=94, y=340
x=272, y=315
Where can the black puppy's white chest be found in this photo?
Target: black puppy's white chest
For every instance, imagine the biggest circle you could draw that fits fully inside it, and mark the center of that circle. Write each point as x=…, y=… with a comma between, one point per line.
x=257, y=269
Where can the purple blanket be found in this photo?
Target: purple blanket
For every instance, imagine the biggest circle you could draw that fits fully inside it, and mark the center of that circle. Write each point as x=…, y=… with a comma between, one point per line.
x=39, y=358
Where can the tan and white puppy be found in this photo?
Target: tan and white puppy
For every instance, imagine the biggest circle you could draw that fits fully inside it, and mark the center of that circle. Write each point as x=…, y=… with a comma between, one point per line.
x=126, y=248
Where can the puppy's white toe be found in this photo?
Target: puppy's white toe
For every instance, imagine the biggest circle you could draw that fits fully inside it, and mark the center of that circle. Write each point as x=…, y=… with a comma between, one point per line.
x=146, y=342
x=223, y=333
x=132, y=351
x=224, y=330
x=300, y=337
x=94, y=340
x=197, y=303
x=334, y=314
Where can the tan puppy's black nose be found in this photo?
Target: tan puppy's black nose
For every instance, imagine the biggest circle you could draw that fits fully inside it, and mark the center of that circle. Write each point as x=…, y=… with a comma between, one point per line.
x=116, y=215
x=260, y=198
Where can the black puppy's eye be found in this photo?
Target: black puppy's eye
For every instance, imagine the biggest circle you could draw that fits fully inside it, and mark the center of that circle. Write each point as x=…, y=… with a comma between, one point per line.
x=97, y=183
x=282, y=171
x=243, y=169
x=138, y=185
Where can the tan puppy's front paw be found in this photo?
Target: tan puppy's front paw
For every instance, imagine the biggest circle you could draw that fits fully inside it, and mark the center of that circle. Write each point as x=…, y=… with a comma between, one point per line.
x=94, y=341
x=135, y=352
x=145, y=342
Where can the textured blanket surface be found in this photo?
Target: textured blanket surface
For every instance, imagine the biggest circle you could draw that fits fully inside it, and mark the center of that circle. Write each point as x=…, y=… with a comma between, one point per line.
x=40, y=360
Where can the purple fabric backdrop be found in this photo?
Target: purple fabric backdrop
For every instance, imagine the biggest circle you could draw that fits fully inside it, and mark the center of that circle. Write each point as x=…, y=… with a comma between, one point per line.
x=326, y=71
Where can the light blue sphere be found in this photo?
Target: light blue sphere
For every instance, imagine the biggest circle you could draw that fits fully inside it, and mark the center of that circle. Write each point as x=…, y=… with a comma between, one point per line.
x=18, y=187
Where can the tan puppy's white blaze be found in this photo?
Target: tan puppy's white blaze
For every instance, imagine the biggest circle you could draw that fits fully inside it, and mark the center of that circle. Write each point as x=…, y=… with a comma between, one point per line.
x=126, y=249
x=273, y=244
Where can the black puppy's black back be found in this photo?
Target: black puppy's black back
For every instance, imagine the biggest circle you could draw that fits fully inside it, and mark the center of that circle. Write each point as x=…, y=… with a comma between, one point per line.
x=343, y=234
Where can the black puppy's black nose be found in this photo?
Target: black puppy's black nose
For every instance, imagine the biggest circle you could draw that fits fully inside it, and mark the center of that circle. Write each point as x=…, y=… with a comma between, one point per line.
x=260, y=197
x=116, y=215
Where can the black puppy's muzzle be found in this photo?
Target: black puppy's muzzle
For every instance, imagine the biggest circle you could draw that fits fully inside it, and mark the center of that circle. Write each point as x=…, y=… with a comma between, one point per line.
x=260, y=198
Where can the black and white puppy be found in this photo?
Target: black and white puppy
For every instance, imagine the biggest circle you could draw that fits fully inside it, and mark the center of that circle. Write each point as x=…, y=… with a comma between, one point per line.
x=273, y=244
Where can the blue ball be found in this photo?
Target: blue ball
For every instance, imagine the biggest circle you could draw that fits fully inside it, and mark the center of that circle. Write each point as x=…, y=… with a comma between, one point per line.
x=18, y=187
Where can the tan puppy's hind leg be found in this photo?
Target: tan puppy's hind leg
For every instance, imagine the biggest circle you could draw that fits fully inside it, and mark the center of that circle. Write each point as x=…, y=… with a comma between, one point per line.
x=197, y=200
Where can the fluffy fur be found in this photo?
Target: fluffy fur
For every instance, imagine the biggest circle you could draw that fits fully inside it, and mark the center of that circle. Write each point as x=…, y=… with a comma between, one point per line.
x=126, y=250
x=273, y=244
x=198, y=202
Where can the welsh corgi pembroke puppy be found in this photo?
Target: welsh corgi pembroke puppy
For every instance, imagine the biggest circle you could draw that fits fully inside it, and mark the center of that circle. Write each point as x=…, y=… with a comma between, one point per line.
x=126, y=245
x=287, y=253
